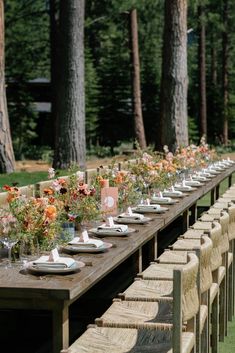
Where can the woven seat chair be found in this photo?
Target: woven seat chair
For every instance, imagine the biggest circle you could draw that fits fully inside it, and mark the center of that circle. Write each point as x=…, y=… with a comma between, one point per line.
x=178, y=253
x=3, y=200
x=23, y=190
x=160, y=305
x=153, y=325
x=216, y=209
x=126, y=340
x=219, y=274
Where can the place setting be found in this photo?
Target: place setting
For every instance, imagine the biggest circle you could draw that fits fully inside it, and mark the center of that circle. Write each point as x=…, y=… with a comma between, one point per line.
x=147, y=207
x=86, y=244
x=129, y=217
x=162, y=200
x=53, y=264
x=183, y=186
x=109, y=228
x=173, y=193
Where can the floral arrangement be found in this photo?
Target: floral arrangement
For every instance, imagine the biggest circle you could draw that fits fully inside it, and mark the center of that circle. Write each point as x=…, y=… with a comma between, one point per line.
x=125, y=181
x=78, y=200
x=35, y=218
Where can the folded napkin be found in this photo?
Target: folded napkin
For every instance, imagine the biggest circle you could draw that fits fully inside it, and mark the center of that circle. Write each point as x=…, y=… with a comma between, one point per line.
x=91, y=243
x=161, y=199
x=199, y=177
x=172, y=193
x=181, y=186
x=192, y=183
x=143, y=207
x=136, y=216
x=61, y=262
x=115, y=228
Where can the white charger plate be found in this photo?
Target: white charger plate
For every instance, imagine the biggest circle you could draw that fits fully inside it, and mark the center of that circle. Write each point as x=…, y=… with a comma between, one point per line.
x=101, y=233
x=36, y=269
x=77, y=249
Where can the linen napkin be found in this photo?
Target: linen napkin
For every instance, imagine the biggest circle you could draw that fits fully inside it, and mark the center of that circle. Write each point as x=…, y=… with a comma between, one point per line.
x=161, y=198
x=53, y=261
x=136, y=216
x=129, y=215
x=182, y=186
x=119, y=228
x=151, y=207
x=172, y=192
x=91, y=243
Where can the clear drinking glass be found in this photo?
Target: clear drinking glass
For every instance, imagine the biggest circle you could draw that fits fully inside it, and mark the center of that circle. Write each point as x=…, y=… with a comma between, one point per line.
x=8, y=242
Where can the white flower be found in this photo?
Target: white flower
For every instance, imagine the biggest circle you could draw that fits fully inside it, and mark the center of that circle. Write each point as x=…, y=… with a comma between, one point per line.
x=80, y=176
x=51, y=173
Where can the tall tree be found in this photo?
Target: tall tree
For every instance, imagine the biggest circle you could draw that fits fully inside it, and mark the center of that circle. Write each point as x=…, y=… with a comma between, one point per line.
x=174, y=81
x=137, y=105
x=7, y=158
x=202, y=70
x=70, y=139
x=225, y=57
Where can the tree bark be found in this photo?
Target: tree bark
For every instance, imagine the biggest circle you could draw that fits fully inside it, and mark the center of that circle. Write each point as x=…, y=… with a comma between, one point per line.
x=174, y=81
x=137, y=105
x=225, y=56
x=70, y=141
x=7, y=159
x=213, y=62
x=54, y=55
x=202, y=73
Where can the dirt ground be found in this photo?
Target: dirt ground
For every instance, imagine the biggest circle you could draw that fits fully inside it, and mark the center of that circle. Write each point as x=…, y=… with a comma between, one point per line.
x=37, y=166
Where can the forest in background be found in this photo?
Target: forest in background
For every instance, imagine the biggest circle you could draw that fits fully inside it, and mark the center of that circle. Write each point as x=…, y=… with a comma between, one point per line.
x=108, y=88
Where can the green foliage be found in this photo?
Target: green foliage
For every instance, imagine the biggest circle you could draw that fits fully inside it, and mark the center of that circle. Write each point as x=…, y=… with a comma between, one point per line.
x=108, y=83
x=27, y=58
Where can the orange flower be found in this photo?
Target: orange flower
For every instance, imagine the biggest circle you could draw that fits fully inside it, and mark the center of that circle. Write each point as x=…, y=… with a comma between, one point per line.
x=50, y=212
x=119, y=178
x=48, y=191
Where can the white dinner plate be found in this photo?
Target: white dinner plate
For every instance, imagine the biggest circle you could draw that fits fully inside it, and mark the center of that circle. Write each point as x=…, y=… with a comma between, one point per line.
x=77, y=249
x=132, y=220
x=163, y=202
x=36, y=269
x=185, y=188
x=150, y=210
x=111, y=232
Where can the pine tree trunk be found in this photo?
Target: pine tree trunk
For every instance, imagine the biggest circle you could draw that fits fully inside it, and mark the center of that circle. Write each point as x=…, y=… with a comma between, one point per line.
x=71, y=141
x=174, y=82
x=7, y=159
x=54, y=54
x=202, y=73
x=213, y=62
x=138, y=117
x=225, y=72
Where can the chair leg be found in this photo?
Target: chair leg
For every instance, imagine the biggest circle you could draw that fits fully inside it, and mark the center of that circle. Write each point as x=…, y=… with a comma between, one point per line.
x=215, y=324
x=222, y=308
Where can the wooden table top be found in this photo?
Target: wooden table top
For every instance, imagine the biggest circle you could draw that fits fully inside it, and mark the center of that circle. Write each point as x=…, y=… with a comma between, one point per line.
x=18, y=283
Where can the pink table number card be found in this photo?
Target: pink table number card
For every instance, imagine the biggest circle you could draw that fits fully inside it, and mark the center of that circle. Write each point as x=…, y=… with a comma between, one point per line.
x=109, y=200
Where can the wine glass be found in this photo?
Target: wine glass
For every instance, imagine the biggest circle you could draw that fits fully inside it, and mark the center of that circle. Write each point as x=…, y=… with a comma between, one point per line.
x=8, y=243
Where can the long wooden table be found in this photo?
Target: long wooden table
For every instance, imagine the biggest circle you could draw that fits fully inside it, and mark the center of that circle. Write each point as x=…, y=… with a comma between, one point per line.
x=22, y=290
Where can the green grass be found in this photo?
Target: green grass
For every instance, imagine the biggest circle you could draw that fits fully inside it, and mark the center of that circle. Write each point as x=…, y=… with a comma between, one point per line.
x=228, y=346
x=205, y=200
x=26, y=178
x=22, y=178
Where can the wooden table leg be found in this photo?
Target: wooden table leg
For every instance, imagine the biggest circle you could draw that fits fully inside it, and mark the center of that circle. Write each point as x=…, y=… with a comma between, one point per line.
x=185, y=224
x=60, y=328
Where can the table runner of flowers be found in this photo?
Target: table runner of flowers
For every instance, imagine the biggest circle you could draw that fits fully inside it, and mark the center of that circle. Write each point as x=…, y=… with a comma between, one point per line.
x=38, y=221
